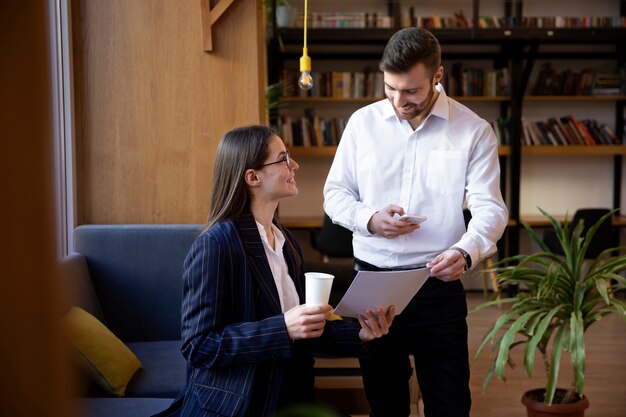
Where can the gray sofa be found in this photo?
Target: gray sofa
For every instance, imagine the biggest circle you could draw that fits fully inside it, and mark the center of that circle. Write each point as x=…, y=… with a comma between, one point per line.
x=129, y=277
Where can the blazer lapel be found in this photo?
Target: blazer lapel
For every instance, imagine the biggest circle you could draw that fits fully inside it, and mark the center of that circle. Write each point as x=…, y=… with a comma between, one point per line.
x=259, y=266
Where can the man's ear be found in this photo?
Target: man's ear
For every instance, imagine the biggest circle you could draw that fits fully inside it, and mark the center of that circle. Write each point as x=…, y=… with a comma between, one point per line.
x=251, y=178
x=438, y=75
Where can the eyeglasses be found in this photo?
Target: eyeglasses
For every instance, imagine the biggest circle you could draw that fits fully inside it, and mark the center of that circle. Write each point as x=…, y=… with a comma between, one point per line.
x=286, y=160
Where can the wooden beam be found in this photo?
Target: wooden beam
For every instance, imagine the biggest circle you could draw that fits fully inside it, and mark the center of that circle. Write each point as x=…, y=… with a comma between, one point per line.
x=209, y=17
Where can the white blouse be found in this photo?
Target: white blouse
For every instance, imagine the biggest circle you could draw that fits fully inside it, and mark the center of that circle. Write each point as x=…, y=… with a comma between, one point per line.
x=284, y=284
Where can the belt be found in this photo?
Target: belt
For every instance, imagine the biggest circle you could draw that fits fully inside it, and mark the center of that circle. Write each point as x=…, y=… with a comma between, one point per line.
x=360, y=265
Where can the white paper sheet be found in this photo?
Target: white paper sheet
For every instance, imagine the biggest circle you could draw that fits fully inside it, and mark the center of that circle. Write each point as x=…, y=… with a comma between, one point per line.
x=381, y=289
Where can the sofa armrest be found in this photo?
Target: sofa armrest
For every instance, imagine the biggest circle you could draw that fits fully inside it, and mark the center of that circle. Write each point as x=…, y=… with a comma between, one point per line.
x=78, y=285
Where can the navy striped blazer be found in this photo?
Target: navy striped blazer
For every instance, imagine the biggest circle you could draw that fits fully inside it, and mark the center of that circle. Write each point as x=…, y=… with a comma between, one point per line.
x=234, y=335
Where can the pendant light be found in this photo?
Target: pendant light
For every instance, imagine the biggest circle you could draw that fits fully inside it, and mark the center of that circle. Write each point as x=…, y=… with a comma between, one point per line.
x=306, y=80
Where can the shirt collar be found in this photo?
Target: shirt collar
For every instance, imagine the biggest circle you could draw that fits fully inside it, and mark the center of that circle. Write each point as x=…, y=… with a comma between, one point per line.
x=439, y=109
x=279, y=241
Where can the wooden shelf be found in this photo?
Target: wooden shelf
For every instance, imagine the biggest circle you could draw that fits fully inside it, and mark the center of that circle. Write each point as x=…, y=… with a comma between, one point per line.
x=303, y=222
x=503, y=150
x=312, y=150
x=487, y=99
x=538, y=220
x=312, y=100
x=574, y=98
x=575, y=150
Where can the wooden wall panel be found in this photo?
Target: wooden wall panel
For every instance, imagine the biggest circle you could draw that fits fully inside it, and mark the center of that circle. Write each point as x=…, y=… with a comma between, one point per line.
x=151, y=106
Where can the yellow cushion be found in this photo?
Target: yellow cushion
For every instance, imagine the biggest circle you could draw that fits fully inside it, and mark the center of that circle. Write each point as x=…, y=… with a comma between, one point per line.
x=105, y=357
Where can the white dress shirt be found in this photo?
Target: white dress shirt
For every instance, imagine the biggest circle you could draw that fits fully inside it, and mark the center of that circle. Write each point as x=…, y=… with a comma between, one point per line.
x=284, y=284
x=450, y=158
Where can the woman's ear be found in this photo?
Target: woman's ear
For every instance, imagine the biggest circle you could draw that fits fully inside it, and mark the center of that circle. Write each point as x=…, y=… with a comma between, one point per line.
x=251, y=178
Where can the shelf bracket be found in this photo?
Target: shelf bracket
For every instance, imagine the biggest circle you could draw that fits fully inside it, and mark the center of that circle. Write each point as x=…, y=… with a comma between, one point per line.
x=209, y=17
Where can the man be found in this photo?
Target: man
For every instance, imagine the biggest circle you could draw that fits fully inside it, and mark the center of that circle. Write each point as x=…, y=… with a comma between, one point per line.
x=419, y=153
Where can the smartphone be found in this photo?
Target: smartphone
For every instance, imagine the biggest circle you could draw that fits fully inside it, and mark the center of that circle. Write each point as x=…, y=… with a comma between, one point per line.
x=411, y=218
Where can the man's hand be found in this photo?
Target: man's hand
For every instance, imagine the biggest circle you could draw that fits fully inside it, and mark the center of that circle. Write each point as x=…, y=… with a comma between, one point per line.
x=305, y=322
x=375, y=326
x=382, y=223
x=448, y=265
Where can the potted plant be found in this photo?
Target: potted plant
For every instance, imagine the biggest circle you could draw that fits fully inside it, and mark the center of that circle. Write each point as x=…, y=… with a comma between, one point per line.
x=273, y=94
x=285, y=14
x=560, y=297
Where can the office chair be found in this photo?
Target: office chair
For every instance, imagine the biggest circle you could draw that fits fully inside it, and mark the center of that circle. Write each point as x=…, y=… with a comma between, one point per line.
x=604, y=238
x=332, y=240
x=487, y=272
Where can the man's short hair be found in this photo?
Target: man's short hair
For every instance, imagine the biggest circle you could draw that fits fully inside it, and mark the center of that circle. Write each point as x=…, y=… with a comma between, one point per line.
x=410, y=46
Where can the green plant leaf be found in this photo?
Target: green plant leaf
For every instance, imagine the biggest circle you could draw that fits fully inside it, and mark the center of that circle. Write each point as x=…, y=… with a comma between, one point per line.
x=577, y=349
x=555, y=361
x=507, y=340
x=540, y=334
x=602, y=290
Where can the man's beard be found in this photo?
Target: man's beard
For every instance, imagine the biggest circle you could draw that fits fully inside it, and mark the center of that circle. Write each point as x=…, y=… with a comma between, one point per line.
x=416, y=108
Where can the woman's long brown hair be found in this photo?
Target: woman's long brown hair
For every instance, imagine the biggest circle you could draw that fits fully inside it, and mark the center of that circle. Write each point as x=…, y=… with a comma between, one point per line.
x=239, y=150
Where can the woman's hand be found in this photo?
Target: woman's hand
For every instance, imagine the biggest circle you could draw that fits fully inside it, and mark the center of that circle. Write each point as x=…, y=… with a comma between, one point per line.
x=305, y=322
x=375, y=326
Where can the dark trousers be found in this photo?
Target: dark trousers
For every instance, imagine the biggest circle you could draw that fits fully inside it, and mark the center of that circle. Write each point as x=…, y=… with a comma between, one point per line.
x=433, y=329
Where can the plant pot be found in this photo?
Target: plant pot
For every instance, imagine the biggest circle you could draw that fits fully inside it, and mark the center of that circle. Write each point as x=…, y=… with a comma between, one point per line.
x=536, y=408
x=285, y=17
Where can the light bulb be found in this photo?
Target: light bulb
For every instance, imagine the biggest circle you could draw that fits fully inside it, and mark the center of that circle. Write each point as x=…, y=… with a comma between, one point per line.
x=305, y=81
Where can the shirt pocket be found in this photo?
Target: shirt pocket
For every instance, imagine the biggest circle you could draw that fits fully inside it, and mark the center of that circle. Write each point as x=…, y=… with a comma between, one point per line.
x=446, y=171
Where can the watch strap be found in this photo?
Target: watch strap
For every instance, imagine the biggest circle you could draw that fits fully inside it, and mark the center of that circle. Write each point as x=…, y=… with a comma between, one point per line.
x=466, y=256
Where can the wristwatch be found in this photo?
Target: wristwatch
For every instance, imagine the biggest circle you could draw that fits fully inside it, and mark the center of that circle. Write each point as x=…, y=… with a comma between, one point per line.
x=466, y=256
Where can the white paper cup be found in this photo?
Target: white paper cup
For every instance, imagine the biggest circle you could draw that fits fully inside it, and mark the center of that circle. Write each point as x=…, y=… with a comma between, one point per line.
x=317, y=290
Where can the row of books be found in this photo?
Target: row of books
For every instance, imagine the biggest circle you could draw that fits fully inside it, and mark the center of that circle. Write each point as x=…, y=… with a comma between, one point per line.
x=587, y=82
x=567, y=130
x=311, y=130
x=502, y=128
x=552, y=22
x=345, y=20
x=569, y=22
x=459, y=21
x=461, y=81
x=340, y=84
x=409, y=17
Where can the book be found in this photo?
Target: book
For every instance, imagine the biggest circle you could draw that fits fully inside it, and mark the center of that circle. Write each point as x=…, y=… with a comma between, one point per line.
x=553, y=126
x=550, y=138
x=570, y=132
x=583, y=131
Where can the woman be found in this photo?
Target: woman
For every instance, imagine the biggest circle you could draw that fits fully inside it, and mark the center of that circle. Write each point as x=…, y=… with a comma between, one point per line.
x=247, y=339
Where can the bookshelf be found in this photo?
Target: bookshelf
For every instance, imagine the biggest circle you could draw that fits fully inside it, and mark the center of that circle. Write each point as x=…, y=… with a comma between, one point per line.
x=517, y=45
